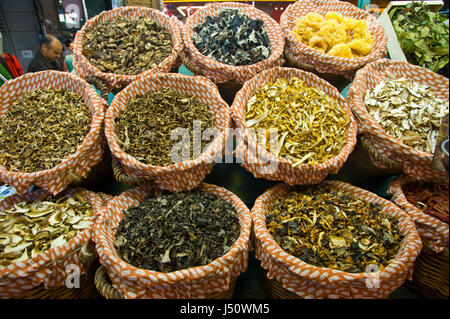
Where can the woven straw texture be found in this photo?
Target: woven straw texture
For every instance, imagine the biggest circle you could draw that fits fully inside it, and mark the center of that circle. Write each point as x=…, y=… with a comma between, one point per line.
x=184, y=175
x=88, y=154
x=261, y=163
x=219, y=72
x=196, y=282
x=50, y=267
x=414, y=163
x=86, y=70
x=322, y=62
x=309, y=281
x=434, y=233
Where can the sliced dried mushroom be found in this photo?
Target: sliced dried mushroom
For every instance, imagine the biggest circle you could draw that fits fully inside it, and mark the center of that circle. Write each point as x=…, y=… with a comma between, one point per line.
x=408, y=111
x=31, y=228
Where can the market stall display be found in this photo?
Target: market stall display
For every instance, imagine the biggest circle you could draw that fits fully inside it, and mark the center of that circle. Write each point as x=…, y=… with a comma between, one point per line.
x=408, y=134
x=325, y=273
x=44, y=238
x=279, y=140
x=118, y=46
x=44, y=146
x=172, y=101
x=175, y=276
x=169, y=234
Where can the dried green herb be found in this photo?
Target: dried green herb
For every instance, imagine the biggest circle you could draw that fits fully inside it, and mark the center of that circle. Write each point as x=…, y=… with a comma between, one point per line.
x=127, y=46
x=423, y=35
x=171, y=232
x=41, y=129
x=328, y=227
x=232, y=38
x=144, y=127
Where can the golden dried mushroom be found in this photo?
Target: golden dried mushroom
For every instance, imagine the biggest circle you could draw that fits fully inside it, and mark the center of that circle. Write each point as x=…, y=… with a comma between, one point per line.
x=41, y=129
x=328, y=227
x=334, y=34
x=408, y=111
x=27, y=229
x=299, y=123
x=127, y=46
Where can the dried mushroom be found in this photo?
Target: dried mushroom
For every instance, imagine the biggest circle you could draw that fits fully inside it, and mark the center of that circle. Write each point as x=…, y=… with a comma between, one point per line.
x=127, y=46
x=432, y=199
x=171, y=232
x=27, y=229
x=232, y=38
x=41, y=129
x=334, y=34
x=144, y=128
x=301, y=124
x=328, y=227
x=408, y=111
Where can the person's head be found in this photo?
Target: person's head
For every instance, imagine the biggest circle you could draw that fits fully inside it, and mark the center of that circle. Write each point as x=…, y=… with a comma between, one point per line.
x=51, y=48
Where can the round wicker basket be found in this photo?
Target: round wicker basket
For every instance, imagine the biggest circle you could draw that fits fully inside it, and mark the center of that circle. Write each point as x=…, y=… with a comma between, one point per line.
x=430, y=274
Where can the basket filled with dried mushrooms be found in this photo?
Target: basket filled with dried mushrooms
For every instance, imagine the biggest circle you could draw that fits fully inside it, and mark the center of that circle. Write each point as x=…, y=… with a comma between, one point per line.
x=230, y=43
x=119, y=45
x=428, y=205
x=196, y=244
x=399, y=108
x=293, y=127
x=50, y=131
x=46, y=244
x=167, y=128
x=331, y=37
x=332, y=240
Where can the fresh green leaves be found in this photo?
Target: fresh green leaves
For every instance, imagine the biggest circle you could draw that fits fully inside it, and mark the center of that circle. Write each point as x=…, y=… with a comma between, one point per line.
x=423, y=35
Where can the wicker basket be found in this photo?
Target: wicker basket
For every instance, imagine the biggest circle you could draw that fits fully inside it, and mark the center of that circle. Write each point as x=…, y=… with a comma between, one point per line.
x=430, y=276
x=105, y=288
x=86, y=290
x=431, y=268
x=275, y=290
x=122, y=177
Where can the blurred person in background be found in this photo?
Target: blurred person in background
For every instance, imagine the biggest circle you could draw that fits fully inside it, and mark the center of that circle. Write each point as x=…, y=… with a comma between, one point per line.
x=68, y=56
x=49, y=56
